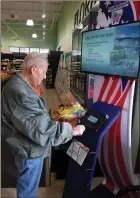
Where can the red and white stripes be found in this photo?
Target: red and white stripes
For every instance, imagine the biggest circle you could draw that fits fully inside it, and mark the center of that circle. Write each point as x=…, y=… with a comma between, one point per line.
x=115, y=151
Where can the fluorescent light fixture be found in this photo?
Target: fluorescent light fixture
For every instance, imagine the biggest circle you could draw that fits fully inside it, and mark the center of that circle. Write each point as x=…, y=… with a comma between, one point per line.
x=44, y=26
x=34, y=35
x=44, y=33
x=80, y=27
x=43, y=16
x=30, y=22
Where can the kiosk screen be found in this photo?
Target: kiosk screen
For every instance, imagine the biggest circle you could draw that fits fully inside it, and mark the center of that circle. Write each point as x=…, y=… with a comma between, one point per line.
x=113, y=51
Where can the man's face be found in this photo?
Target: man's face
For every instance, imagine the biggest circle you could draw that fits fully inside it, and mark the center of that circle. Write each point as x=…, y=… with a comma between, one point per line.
x=38, y=74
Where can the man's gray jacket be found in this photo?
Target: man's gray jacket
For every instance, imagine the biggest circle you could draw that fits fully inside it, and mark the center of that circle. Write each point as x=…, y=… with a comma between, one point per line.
x=26, y=124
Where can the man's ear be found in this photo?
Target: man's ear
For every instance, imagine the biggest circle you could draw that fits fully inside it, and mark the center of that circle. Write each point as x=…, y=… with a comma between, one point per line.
x=32, y=69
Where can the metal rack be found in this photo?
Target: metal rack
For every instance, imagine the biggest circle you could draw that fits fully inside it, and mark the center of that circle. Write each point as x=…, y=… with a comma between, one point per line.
x=49, y=83
x=78, y=79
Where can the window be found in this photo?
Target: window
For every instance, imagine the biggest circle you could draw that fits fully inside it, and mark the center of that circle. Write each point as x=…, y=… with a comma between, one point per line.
x=13, y=49
x=24, y=49
x=34, y=49
x=27, y=50
x=44, y=51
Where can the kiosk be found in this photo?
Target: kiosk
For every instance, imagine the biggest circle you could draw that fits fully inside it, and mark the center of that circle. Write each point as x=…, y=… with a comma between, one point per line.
x=115, y=54
x=79, y=178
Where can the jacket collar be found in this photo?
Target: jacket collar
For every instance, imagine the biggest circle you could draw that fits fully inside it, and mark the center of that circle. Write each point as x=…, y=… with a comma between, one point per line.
x=20, y=77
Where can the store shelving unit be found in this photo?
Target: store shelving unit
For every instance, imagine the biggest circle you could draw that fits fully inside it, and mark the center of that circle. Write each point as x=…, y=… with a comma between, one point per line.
x=53, y=60
x=78, y=79
x=16, y=64
x=5, y=59
x=4, y=64
x=49, y=82
x=15, y=60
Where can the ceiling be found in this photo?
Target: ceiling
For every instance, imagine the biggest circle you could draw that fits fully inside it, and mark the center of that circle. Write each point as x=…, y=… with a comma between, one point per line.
x=14, y=15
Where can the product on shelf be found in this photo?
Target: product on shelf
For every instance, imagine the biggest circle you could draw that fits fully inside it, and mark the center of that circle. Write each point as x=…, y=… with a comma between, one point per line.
x=69, y=112
x=5, y=75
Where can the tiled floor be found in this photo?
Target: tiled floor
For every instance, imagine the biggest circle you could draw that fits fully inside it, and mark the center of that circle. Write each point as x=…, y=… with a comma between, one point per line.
x=56, y=188
x=52, y=100
x=54, y=191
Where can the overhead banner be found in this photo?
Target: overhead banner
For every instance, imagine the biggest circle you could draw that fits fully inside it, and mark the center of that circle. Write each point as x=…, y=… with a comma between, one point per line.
x=82, y=12
x=117, y=12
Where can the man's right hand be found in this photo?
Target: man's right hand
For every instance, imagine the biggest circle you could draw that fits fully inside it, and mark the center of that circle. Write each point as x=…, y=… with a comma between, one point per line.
x=78, y=130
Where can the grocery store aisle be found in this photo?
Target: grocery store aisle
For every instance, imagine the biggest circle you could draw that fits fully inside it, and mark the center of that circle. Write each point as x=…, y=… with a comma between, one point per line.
x=52, y=99
x=56, y=188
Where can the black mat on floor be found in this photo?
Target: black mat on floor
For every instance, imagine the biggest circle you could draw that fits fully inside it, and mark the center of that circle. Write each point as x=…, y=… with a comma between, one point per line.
x=101, y=192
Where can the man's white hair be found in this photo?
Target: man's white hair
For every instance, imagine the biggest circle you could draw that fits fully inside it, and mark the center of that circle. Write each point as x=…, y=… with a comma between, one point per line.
x=33, y=58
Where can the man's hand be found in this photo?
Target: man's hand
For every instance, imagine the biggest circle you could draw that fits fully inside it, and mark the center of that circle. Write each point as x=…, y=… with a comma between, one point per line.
x=78, y=130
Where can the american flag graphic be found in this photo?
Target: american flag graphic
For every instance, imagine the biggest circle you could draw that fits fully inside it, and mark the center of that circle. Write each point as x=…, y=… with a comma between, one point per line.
x=115, y=152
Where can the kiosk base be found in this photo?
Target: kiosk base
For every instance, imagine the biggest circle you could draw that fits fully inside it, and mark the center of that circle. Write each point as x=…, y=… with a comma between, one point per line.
x=101, y=192
x=79, y=178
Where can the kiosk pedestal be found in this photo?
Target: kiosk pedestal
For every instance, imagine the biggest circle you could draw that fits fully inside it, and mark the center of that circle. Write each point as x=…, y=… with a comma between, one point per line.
x=79, y=178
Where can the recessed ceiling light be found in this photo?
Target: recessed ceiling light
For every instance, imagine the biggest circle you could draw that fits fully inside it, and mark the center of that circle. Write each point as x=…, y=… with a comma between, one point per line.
x=30, y=22
x=43, y=16
x=80, y=27
x=34, y=35
x=44, y=33
x=44, y=26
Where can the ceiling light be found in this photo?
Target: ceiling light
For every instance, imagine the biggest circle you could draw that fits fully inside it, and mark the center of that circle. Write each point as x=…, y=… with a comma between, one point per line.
x=43, y=37
x=44, y=33
x=44, y=26
x=34, y=35
x=80, y=27
x=30, y=22
x=43, y=16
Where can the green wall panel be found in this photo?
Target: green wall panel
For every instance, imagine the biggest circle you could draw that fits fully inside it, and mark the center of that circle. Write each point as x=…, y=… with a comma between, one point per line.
x=65, y=24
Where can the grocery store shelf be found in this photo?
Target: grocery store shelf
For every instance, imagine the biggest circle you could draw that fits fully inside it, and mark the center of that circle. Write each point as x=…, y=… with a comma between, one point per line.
x=78, y=94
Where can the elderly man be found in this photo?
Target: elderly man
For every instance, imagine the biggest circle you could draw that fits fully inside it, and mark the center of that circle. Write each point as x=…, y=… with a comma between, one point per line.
x=26, y=124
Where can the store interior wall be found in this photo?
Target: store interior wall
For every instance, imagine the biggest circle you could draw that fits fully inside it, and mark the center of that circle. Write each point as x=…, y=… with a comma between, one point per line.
x=65, y=25
x=60, y=35
x=49, y=42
